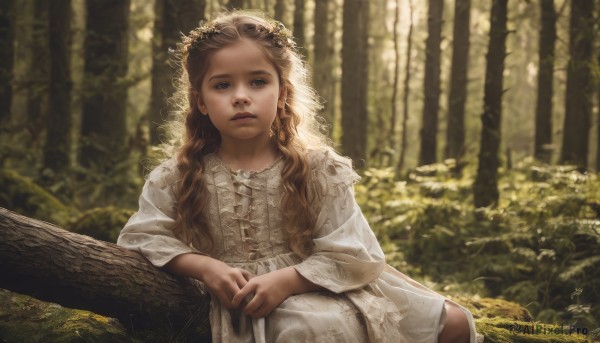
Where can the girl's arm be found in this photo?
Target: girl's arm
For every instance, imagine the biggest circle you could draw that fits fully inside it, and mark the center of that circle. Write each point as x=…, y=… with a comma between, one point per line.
x=223, y=281
x=271, y=289
x=345, y=253
x=149, y=232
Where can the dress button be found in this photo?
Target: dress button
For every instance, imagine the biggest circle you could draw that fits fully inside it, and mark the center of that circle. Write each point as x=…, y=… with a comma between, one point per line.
x=245, y=174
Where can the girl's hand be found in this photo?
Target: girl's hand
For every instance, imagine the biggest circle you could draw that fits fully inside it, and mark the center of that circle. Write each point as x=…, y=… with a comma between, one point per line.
x=223, y=281
x=269, y=290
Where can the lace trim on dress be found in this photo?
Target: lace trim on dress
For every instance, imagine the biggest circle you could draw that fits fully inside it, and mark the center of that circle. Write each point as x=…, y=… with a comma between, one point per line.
x=246, y=173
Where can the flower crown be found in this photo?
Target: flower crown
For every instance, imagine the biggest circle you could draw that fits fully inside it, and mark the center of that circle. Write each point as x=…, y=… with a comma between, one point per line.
x=277, y=32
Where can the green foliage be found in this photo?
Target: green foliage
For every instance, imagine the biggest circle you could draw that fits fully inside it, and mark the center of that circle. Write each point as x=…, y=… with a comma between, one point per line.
x=97, y=186
x=21, y=195
x=103, y=223
x=539, y=247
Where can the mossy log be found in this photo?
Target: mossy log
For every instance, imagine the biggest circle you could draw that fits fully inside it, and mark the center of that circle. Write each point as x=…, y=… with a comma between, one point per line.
x=76, y=271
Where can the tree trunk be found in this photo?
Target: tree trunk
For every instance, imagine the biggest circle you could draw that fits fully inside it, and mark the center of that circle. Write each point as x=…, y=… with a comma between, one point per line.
x=431, y=84
x=543, y=112
x=7, y=35
x=233, y=4
x=380, y=87
x=57, y=148
x=38, y=71
x=280, y=9
x=406, y=95
x=580, y=88
x=299, y=27
x=104, y=130
x=394, y=102
x=455, y=131
x=355, y=52
x=48, y=263
x=598, y=123
x=323, y=79
x=171, y=19
x=485, y=188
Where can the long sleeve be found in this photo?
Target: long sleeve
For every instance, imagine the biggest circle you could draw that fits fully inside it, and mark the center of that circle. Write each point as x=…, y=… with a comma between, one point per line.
x=346, y=254
x=149, y=231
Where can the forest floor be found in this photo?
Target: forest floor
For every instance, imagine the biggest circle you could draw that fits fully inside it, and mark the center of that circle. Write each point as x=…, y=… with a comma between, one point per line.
x=525, y=267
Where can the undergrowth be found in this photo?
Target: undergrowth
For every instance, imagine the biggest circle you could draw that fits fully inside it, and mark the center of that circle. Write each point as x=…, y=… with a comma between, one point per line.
x=539, y=247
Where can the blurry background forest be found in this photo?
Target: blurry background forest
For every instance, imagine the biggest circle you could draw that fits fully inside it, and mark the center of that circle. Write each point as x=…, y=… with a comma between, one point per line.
x=475, y=125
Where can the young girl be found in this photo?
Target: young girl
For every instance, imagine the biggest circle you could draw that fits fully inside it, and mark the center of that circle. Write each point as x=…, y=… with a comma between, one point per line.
x=257, y=207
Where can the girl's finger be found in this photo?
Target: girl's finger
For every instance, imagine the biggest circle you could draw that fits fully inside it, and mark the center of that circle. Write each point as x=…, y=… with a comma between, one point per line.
x=253, y=305
x=224, y=298
x=241, y=280
x=259, y=312
x=246, y=274
x=242, y=294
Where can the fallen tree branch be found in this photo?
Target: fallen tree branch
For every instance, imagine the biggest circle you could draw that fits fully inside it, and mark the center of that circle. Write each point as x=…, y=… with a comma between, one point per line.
x=51, y=264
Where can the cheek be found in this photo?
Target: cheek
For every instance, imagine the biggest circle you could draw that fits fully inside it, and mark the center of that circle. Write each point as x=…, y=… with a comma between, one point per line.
x=210, y=103
x=272, y=101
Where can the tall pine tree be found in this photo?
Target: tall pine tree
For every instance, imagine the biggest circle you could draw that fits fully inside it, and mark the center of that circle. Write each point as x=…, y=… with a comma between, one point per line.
x=431, y=83
x=543, y=111
x=580, y=88
x=455, y=131
x=172, y=18
x=355, y=79
x=7, y=35
x=485, y=188
x=104, y=130
x=57, y=149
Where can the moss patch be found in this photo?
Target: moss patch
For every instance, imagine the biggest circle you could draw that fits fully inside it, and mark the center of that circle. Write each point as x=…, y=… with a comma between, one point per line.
x=24, y=319
x=508, y=322
x=504, y=330
x=493, y=308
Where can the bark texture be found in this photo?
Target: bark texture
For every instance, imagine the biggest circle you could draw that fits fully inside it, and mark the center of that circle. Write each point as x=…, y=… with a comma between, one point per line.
x=172, y=18
x=455, y=131
x=355, y=54
x=406, y=94
x=7, y=35
x=298, y=30
x=431, y=83
x=280, y=10
x=323, y=79
x=103, y=129
x=580, y=87
x=57, y=148
x=396, y=77
x=543, y=112
x=51, y=264
x=232, y=4
x=38, y=70
x=485, y=188
x=598, y=123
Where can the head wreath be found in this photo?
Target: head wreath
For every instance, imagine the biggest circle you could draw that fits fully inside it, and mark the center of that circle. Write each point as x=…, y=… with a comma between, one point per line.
x=280, y=35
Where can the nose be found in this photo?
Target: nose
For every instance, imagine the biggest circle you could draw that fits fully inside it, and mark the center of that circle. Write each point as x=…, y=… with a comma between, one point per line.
x=240, y=97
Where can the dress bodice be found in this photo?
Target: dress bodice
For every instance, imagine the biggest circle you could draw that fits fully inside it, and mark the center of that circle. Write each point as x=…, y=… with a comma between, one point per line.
x=244, y=219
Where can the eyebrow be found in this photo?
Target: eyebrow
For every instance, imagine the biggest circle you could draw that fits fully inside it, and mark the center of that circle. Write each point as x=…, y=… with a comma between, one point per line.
x=254, y=72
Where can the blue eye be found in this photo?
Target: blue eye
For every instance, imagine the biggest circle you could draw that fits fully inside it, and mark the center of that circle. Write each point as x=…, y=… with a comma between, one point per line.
x=221, y=85
x=258, y=83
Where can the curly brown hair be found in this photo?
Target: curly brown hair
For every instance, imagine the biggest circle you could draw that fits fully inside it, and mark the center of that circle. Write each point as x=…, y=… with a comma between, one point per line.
x=295, y=128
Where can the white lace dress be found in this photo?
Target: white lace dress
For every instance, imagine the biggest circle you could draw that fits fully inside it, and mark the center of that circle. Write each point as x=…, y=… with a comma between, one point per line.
x=365, y=299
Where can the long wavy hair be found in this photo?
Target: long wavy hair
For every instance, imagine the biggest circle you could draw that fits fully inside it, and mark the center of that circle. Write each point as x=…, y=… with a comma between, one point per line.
x=295, y=129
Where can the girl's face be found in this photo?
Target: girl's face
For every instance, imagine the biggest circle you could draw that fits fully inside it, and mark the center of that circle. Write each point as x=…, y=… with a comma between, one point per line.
x=240, y=93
